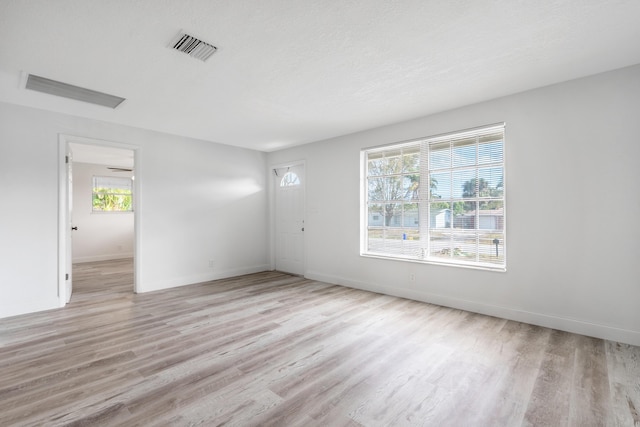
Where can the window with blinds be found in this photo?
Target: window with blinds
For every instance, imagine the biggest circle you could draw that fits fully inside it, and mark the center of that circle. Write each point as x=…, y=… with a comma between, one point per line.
x=112, y=194
x=438, y=199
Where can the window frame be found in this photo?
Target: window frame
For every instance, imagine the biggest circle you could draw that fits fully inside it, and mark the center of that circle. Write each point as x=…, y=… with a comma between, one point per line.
x=94, y=181
x=426, y=230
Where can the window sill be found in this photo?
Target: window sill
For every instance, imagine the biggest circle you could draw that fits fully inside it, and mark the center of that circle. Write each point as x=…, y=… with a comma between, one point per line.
x=485, y=267
x=111, y=212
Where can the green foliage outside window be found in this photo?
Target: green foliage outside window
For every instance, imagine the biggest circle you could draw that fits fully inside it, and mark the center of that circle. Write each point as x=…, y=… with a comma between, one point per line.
x=112, y=199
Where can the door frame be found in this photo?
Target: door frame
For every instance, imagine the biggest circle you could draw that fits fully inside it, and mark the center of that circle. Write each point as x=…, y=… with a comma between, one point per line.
x=272, y=210
x=63, y=229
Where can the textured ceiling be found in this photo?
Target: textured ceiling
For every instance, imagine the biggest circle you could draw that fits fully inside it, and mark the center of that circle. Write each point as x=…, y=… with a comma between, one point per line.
x=291, y=72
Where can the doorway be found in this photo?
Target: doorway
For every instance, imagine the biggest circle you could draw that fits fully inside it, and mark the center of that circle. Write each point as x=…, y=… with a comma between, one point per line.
x=89, y=233
x=289, y=214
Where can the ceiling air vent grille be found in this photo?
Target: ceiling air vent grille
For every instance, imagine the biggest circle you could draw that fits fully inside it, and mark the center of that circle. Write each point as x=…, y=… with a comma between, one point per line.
x=193, y=47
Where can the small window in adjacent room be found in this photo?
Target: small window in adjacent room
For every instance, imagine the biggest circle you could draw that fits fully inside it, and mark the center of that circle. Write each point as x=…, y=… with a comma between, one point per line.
x=438, y=199
x=112, y=194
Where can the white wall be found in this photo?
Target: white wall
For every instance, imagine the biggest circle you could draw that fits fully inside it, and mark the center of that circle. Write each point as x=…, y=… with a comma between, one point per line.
x=199, y=201
x=572, y=150
x=100, y=235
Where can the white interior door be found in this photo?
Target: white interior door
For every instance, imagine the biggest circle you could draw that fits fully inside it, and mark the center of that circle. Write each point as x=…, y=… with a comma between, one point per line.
x=289, y=219
x=70, y=227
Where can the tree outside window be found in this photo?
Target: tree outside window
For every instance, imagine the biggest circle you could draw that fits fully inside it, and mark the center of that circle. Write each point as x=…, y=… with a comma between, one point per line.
x=112, y=194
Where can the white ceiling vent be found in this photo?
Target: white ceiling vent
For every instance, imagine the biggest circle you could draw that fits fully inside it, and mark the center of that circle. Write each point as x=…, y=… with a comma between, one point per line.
x=53, y=87
x=193, y=47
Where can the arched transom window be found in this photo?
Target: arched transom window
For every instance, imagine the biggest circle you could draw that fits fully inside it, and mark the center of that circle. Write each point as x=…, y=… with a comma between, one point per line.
x=289, y=180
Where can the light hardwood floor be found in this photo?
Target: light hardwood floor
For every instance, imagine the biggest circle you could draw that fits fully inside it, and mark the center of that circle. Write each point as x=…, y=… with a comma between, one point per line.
x=271, y=349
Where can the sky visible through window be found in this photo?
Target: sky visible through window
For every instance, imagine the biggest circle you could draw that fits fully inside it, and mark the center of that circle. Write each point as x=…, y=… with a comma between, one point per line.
x=451, y=184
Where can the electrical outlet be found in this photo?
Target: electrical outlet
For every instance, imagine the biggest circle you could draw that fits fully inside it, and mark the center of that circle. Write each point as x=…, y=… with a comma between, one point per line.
x=412, y=277
x=212, y=263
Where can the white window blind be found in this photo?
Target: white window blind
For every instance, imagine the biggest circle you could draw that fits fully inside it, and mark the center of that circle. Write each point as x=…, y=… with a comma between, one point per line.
x=438, y=199
x=112, y=182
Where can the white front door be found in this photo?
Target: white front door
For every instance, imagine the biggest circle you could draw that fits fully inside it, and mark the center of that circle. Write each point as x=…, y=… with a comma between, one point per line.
x=289, y=219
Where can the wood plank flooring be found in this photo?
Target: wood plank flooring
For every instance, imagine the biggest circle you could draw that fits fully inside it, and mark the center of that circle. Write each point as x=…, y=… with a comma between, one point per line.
x=271, y=349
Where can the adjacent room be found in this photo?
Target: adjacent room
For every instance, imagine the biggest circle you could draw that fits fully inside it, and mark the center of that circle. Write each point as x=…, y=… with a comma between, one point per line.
x=320, y=213
x=102, y=211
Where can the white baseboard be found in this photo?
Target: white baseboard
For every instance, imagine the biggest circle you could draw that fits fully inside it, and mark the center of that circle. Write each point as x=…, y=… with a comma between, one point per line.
x=540, y=319
x=104, y=257
x=199, y=278
x=30, y=307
